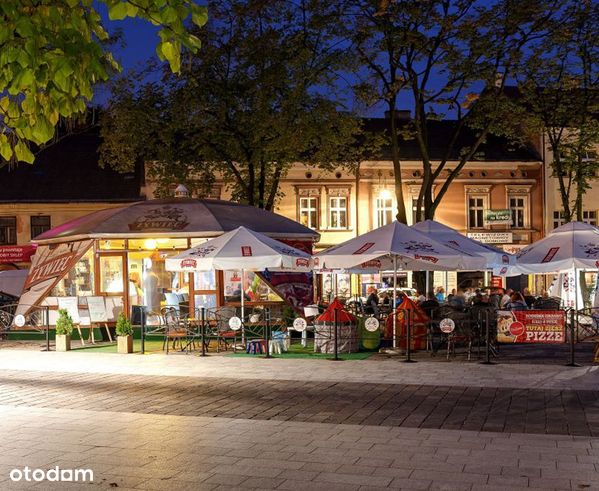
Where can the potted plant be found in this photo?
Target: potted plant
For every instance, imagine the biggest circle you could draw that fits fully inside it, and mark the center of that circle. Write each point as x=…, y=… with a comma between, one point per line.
x=124, y=334
x=64, y=328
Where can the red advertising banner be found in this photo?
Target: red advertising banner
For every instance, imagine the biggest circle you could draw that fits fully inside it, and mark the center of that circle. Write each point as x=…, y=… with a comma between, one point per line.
x=531, y=326
x=16, y=253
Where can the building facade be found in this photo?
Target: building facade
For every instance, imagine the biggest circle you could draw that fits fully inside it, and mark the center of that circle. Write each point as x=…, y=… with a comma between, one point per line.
x=504, y=180
x=64, y=183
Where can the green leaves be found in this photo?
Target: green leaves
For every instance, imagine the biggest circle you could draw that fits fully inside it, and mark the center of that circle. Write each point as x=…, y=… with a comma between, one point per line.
x=52, y=56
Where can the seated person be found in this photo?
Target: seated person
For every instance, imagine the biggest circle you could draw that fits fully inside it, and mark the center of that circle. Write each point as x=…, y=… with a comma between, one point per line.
x=430, y=305
x=516, y=302
x=372, y=302
x=528, y=298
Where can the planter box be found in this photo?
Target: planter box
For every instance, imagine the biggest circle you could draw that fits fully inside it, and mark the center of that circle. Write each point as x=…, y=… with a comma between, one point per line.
x=124, y=344
x=63, y=342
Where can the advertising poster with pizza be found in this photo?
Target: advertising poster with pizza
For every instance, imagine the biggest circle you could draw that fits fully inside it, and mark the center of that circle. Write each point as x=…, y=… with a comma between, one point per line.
x=531, y=326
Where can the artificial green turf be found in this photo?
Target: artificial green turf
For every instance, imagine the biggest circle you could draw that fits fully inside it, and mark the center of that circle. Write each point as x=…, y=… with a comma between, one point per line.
x=299, y=351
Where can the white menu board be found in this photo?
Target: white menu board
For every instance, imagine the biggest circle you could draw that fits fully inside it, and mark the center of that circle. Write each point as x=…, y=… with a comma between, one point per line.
x=97, y=309
x=71, y=305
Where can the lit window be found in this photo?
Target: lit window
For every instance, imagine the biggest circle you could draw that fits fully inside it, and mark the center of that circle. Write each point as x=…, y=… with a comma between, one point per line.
x=518, y=208
x=337, y=212
x=384, y=211
x=8, y=230
x=308, y=212
x=415, y=218
x=558, y=219
x=476, y=209
x=39, y=225
x=589, y=217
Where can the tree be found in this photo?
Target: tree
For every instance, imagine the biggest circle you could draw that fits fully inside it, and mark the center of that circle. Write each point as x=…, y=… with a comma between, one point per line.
x=256, y=101
x=559, y=88
x=52, y=52
x=448, y=57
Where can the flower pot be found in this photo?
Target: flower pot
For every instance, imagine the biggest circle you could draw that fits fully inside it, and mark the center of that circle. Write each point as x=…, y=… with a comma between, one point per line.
x=124, y=344
x=63, y=342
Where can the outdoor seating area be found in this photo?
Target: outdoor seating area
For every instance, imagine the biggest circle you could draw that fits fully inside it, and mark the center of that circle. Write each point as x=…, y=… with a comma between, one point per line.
x=469, y=321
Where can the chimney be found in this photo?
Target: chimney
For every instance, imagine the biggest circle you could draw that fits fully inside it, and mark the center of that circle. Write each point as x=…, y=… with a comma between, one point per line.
x=400, y=114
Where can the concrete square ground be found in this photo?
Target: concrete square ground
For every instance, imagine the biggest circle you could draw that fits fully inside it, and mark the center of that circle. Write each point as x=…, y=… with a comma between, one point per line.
x=183, y=422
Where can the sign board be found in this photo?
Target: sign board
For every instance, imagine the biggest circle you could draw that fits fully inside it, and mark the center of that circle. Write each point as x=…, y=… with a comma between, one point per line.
x=71, y=305
x=447, y=325
x=371, y=324
x=19, y=320
x=235, y=323
x=300, y=324
x=48, y=266
x=531, y=326
x=497, y=217
x=16, y=253
x=496, y=281
x=97, y=309
x=491, y=237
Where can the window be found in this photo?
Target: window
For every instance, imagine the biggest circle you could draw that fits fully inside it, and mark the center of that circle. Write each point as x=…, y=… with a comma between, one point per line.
x=384, y=211
x=558, y=219
x=337, y=212
x=308, y=212
x=476, y=208
x=589, y=217
x=39, y=225
x=8, y=230
x=518, y=207
x=415, y=211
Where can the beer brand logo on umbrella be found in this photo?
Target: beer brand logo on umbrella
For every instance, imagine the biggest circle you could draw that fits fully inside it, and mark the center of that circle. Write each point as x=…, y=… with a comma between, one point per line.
x=189, y=263
x=590, y=249
x=505, y=259
x=431, y=259
x=374, y=263
x=550, y=254
x=203, y=251
x=164, y=218
x=364, y=248
x=246, y=251
x=415, y=246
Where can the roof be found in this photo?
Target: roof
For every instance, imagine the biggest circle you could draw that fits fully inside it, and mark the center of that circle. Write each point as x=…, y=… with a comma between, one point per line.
x=495, y=149
x=68, y=171
x=175, y=217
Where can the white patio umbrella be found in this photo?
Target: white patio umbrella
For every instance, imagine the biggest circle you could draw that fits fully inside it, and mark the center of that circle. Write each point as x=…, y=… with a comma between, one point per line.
x=568, y=248
x=240, y=249
x=574, y=245
x=396, y=243
x=455, y=240
x=395, y=246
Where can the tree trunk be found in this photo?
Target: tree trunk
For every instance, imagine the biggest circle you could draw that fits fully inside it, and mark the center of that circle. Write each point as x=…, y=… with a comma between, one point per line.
x=401, y=207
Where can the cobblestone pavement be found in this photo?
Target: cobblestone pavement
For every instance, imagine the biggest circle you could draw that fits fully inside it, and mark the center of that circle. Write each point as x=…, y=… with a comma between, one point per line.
x=555, y=411
x=185, y=423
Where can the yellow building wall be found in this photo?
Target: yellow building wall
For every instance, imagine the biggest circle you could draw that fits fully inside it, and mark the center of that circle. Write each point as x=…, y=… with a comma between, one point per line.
x=59, y=214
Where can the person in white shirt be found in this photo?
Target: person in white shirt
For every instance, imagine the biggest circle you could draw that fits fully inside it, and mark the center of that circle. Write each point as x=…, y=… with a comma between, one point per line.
x=507, y=296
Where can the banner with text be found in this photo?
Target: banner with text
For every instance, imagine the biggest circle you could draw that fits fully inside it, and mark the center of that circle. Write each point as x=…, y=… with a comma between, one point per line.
x=531, y=326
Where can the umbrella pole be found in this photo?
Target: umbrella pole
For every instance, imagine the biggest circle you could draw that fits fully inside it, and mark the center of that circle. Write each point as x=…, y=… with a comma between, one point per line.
x=394, y=301
x=242, y=309
x=427, y=282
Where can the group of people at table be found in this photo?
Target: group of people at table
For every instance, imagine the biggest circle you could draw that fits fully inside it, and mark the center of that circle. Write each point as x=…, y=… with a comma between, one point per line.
x=461, y=300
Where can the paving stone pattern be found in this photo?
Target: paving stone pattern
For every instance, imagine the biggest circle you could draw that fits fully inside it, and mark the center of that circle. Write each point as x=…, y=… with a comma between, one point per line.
x=157, y=452
x=551, y=411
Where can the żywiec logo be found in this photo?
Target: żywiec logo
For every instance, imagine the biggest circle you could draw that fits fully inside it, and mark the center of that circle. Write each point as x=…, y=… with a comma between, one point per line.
x=505, y=259
x=374, y=263
x=431, y=259
x=189, y=263
x=165, y=218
